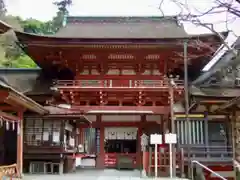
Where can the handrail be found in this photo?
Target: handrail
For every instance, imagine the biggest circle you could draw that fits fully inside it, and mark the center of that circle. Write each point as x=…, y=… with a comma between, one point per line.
x=206, y=168
x=116, y=83
x=236, y=164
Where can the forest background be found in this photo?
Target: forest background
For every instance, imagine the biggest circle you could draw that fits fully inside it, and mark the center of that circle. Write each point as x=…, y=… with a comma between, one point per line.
x=11, y=55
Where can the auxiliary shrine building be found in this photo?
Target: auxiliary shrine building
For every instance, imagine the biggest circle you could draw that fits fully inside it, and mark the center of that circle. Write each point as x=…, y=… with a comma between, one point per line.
x=103, y=82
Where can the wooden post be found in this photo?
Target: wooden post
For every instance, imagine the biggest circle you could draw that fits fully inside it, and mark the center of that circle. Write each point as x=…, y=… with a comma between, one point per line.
x=173, y=129
x=101, y=154
x=139, y=148
x=20, y=143
x=185, y=52
x=234, y=140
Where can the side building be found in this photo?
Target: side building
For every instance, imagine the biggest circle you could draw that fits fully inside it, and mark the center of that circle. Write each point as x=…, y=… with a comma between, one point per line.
x=215, y=93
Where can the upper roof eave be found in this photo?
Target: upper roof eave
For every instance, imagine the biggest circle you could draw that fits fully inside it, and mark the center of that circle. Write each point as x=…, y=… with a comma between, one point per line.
x=28, y=37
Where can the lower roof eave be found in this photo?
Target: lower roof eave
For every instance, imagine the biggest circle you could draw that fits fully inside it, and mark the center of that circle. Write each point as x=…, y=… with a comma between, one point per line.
x=26, y=102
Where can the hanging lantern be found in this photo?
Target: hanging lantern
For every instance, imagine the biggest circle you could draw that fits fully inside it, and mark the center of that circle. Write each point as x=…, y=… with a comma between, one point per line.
x=13, y=126
x=1, y=121
x=7, y=125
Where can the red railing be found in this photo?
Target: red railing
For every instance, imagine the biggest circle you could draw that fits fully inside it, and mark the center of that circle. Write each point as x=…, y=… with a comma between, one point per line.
x=117, y=84
x=164, y=161
x=110, y=159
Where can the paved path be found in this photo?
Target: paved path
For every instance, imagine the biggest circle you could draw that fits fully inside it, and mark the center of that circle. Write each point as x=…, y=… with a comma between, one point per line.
x=92, y=175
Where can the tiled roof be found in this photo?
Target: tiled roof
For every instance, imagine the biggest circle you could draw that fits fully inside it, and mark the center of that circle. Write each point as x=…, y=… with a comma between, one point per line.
x=122, y=27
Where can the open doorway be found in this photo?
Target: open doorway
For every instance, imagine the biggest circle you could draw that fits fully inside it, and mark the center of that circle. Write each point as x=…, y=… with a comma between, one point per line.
x=8, y=139
x=120, y=145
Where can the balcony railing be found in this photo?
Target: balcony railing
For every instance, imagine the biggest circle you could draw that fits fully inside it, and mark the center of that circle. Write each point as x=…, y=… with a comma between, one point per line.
x=116, y=84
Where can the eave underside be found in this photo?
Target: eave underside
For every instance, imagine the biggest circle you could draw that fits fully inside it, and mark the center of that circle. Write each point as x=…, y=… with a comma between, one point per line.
x=76, y=54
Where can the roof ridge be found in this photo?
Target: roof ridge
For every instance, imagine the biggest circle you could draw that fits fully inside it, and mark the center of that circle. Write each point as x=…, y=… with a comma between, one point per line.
x=71, y=19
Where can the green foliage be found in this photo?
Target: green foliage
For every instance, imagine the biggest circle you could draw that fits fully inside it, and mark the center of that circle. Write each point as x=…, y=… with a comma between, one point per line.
x=23, y=61
x=36, y=26
x=11, y=55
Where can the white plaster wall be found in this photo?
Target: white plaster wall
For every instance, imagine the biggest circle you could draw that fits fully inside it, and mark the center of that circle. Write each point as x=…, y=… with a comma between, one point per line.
x=85, y=72
x=147, y=72
x=128, y=72
x=153, y=118
x=122, y=118
x=156, y=72
x=95, y=72
x=113, y=72
x=91, y=118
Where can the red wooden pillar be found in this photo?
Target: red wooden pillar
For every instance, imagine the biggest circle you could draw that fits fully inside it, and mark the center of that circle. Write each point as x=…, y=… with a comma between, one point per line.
x=139, y=148
x=20, y=142
x=101, y=154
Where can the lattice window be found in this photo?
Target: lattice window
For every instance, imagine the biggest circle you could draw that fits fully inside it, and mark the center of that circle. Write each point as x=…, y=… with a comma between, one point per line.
x=152, y=56
x=197, y=129
x=89, y=56
x=96, y=83
x=89, y=140
x=203, y=132
x=41, y=132
x=121, y=56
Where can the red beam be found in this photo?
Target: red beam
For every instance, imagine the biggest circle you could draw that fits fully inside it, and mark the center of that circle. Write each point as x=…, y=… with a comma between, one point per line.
x=121, y=124
x=10, y=108
x=122, y=109
x=8, y=116
x=114, y=89
x=3, y=95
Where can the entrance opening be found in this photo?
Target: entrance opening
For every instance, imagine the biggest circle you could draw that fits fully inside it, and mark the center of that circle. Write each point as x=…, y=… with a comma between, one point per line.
x=8, y=139
x=120, y=146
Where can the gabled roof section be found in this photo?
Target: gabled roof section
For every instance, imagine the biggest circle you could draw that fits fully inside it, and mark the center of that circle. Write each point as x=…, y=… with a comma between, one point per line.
x=221, y=59
x=4, y=27
x=122, y=27
x=20, y=99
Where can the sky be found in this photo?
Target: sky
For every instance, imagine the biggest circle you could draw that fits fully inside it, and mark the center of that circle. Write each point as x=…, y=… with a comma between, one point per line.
x=44, y=10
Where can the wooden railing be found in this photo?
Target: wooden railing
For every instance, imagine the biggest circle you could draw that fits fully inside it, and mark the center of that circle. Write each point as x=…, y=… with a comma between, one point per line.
x=9, y=172
x=164, y=163
x=116, y=83
x=111, y=159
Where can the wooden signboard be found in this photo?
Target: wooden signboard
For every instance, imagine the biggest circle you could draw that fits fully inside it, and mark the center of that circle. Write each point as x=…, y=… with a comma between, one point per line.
x=10, y=171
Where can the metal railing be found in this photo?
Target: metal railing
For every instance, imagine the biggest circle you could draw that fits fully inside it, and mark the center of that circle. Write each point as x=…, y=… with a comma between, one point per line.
x=210, y=153
x=206, y=168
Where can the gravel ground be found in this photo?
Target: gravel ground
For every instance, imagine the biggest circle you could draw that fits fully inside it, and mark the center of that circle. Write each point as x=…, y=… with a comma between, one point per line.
x=92, y=175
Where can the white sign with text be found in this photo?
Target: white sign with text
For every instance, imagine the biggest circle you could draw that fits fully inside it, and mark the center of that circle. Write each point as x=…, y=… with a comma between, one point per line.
x=155, y=139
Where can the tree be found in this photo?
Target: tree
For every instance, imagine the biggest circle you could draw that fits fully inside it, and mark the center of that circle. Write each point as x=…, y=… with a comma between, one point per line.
x=57, y=21
x=63, y=6
x=11, y=55
x=229, y=10
x=2, y=8
x=36, y=26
